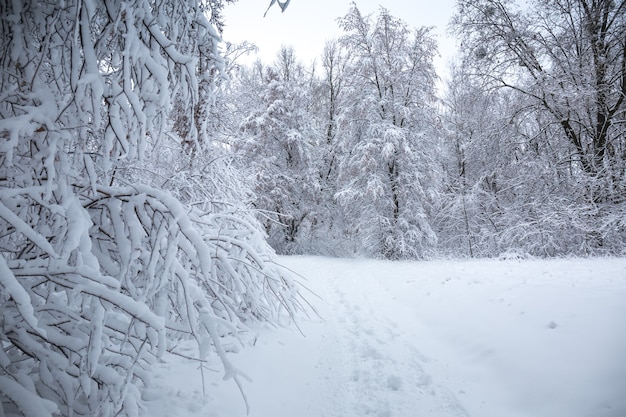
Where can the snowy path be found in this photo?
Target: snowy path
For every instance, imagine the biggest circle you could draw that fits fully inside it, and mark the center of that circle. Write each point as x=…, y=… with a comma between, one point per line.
x=455, y=339
x=373, y=364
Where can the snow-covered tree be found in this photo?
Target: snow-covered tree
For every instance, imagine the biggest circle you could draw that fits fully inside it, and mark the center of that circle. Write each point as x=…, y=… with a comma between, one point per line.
x=499, y=186
x=331, y=105
x=386, y=167
x=108, y=257
x=562, y=63
x=277, y=143
x=471, y=131
x=568, y=57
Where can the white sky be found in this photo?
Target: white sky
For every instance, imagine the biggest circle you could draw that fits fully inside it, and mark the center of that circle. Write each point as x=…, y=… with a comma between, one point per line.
x=308, y=24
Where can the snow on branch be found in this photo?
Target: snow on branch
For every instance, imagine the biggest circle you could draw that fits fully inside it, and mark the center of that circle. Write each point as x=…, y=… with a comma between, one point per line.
x=100, y=278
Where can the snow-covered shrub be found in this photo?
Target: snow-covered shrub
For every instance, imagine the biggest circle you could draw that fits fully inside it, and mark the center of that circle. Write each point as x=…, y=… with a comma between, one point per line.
x=105, y=264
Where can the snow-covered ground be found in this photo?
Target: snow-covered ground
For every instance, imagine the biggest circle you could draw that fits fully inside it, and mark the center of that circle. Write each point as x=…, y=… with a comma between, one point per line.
x=480, y=338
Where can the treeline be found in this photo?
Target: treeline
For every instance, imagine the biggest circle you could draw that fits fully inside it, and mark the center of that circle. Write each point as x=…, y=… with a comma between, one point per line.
x=524, y=152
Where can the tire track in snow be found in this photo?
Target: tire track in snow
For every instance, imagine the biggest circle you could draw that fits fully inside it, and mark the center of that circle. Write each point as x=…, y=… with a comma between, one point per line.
x=374, y=367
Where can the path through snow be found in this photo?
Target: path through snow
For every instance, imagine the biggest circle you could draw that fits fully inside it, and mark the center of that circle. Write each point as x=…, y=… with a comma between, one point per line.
x=446, y=338
x=372, y=361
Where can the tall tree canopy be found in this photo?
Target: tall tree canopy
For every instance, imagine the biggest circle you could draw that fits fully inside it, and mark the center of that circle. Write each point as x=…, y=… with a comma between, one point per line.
x=554, y=74
x=386, y=167
x=569, y=58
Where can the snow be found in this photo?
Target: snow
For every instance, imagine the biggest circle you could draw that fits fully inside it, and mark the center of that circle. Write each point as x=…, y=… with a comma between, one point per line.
x=26, y=402
x=22, y=227
x=484, y=338
x=11, y=288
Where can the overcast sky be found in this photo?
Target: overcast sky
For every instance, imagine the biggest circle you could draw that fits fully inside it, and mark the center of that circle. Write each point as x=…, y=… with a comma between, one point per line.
x=308, y=24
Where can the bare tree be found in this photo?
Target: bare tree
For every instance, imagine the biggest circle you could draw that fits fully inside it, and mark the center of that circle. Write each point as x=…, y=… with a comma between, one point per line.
x=569, y=58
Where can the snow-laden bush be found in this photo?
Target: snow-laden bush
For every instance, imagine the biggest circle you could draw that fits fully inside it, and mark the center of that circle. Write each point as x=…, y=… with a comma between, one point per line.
x=105, y=265
x=89, y=305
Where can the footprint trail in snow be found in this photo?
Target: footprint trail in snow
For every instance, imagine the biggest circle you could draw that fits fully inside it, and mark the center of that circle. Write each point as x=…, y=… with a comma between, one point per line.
x=484, y=338
x=373, y=368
